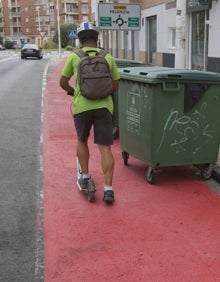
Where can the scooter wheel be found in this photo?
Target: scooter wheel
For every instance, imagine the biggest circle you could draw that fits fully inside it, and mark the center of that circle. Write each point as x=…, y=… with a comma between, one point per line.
x=91, y=196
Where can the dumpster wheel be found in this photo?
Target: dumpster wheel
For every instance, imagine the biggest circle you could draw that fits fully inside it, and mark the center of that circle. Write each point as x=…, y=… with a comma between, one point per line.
x=125, y=157
x=151, y=175
x=206, y=171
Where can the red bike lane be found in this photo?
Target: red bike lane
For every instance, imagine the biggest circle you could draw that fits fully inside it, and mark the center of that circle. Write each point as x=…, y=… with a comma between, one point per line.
x=164, y=232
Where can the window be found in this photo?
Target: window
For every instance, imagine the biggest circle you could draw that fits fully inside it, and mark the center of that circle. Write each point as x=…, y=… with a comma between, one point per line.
x=172, y=38
x=85, y=9
x=69, y=8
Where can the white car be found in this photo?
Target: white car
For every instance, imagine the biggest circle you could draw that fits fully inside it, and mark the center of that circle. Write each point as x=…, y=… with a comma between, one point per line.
x=2, y=47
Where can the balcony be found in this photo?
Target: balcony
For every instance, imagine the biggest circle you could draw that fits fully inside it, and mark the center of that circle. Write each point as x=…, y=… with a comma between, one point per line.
x=38, y=23
x=70, y=1
x=84, y=11
x=14, y=14
x=15, y=4
x=15, y=24
x=72, y=11
x=17, y=33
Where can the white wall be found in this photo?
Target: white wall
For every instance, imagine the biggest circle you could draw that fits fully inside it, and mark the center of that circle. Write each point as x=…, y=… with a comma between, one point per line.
x=214, y=30
x=94, y=8
x=166, y=20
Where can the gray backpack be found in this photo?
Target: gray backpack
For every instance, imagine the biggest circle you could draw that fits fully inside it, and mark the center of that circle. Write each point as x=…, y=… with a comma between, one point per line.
x=94, y=75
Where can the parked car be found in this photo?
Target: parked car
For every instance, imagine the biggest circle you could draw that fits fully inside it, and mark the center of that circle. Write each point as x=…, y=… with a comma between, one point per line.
x=31, y=51
x=16, y=46
x=2, y=47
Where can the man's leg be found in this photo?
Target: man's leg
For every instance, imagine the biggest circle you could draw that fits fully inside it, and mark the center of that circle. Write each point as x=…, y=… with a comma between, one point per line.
x=83, y=156
x=85, y=181
x=107, y=163
x=83, y=123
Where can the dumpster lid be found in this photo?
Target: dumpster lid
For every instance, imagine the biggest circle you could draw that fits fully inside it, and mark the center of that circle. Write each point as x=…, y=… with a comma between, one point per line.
x=155, y=74
x=128, y=63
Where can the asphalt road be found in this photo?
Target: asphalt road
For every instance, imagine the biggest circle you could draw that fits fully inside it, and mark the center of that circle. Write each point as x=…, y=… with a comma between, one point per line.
x=21, y=84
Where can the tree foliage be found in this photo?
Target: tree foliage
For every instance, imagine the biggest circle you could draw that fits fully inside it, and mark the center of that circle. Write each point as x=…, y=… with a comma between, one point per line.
x=65, y=40
x=9, y=44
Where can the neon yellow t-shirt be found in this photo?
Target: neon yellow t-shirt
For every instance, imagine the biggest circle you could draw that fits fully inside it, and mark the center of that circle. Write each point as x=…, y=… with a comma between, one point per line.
x=80, y=103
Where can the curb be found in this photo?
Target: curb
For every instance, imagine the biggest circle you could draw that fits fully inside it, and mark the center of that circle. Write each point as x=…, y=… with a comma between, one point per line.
x=216, y=174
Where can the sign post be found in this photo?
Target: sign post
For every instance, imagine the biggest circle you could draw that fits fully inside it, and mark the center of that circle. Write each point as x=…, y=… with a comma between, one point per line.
x=72, y=34
x=42, y=33
x=116, y=16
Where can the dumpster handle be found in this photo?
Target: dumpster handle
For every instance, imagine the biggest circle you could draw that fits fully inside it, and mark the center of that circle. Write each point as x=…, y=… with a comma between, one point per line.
x=125, y=70
x=166, y=88
x=143, y=73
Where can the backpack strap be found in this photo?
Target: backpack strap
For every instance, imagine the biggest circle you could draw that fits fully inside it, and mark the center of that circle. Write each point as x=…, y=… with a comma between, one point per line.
x=82, y=53
x=102, y=53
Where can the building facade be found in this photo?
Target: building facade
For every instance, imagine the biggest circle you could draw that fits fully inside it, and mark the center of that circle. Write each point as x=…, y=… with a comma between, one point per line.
x=173, y=33
x=181, y=34
x=2, y=30
x=36, y=20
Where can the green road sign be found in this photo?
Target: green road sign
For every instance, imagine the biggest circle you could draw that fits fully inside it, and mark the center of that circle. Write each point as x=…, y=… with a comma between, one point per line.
x=105, y=22
x=133, y=22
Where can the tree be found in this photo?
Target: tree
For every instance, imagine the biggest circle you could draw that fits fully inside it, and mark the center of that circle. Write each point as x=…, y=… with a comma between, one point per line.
x=65, y=40
x=9, y=44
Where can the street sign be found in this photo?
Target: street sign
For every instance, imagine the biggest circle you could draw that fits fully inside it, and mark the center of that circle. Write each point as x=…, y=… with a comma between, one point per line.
x=42, y=33
x=118, y=16
x=198, y=5
x=72, y=33
x=205, y=2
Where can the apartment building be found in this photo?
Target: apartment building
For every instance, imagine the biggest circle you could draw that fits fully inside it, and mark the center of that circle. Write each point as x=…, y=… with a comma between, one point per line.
x=173, y=33
x=2, y=33
x=37, y=20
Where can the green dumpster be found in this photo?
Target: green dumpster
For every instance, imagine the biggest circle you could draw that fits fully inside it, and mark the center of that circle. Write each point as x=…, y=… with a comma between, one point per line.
x=121, y=63
x=169, y=117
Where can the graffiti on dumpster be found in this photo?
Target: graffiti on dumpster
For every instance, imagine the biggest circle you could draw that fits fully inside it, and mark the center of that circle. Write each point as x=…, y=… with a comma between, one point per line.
x=186, y=130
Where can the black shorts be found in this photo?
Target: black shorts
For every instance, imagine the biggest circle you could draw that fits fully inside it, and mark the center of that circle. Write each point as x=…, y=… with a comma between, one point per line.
x=101, y=119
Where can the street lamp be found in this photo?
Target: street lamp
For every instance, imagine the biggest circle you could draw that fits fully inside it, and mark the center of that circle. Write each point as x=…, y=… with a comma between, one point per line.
x=38, y=17
x=58, y=27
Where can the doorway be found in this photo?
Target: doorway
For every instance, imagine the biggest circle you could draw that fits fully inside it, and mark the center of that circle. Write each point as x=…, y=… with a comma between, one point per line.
x=152, y=39
x=200, y=35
